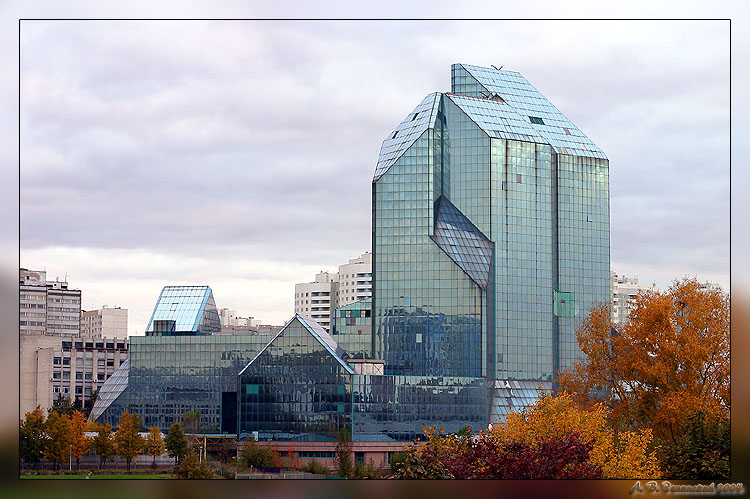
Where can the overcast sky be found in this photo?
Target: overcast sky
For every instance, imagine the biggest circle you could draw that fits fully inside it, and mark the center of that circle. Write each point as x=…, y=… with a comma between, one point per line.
x=240, y=154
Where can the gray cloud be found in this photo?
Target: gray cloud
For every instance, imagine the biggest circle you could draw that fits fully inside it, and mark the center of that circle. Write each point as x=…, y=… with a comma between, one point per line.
x=257, y=140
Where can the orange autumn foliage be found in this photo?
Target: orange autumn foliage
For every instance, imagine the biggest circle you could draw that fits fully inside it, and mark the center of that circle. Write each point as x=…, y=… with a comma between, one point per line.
x=622, y=454
x=668, y=361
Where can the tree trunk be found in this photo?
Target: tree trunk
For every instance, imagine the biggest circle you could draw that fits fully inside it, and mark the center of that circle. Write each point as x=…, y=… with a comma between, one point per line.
x=78, y=463
x=127, y=462
x=153, y=464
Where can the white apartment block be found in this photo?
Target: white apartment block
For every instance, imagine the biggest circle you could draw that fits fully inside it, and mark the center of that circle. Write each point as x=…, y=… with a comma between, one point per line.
x=355, y=280
x=107, y=322
x=624, y=290
x=47, y=307
x=318, y=298
x=69, y=365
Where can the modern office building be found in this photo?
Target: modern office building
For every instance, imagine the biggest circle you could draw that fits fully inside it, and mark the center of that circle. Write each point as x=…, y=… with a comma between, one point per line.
x=318, y=298
x=490, y=235
x=71, y=366
x=490, y=241
x=355, y=279
x=182, y=364
x=48, y=307
x=107, y=322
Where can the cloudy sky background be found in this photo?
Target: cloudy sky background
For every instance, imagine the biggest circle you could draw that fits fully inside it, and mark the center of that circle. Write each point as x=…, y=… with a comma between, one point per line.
x=240, y=154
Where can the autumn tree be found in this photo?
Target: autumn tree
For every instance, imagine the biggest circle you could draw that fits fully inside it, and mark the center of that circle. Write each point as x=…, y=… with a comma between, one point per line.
x=465, y=455
x=32, y=438
x=128, y=442
x=103, y=443
x=59, y=439
x=154, y=445
x=669, y=360
x=80, y=443
x=176, y=443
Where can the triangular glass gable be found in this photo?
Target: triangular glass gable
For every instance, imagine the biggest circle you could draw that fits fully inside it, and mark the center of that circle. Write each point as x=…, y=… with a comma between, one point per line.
x=297, y=388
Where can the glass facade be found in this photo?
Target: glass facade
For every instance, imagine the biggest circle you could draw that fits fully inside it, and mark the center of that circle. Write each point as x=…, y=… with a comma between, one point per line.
x=297, y=388
x=352, y=328
x=179, y=366
x=490, y=237
x=170, y=375
x=301, y=388
x=185, y=311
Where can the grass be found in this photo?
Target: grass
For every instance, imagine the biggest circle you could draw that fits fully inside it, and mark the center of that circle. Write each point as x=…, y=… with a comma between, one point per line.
x=142, y=476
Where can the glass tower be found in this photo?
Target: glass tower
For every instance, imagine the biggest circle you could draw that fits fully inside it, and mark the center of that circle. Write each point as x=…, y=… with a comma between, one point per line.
x=490, y=237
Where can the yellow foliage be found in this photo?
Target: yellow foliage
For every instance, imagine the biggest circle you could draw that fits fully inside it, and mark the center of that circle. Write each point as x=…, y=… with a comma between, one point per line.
x=622, y=455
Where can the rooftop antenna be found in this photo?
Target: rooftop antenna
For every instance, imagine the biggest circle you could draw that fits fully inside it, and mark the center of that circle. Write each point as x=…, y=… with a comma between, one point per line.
x=495, y=67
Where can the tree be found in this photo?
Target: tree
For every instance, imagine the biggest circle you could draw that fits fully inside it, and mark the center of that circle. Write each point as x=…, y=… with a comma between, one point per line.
x=128, y=442
x=62, y=405
x=259, y=456
x=176, y=443
x=191, y=421
x=32, y=438
x=620, y=454
x=483, y=455
x=702, y=452
x=669, y=360
x=80, y=443
x=103, y=443
x=59, y=439
x=192, y=469
x=343, y=453
x=154, y=444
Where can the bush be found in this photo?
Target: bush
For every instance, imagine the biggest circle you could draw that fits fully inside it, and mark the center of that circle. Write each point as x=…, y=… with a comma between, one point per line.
x=365, y=470
x=316, y=468
x=191, y=469
x=259, y=456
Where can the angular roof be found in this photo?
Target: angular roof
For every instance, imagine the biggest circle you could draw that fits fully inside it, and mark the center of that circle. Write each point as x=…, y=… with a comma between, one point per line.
x=407, y=132
x=317, y=332
x=520, y=95
x=191, y=307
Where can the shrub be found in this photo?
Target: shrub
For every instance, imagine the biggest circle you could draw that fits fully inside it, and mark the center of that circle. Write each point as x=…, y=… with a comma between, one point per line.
x=316, y=468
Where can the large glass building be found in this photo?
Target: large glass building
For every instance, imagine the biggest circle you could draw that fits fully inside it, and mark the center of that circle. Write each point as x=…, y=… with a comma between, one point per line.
x=490, y=236
x=180, y=366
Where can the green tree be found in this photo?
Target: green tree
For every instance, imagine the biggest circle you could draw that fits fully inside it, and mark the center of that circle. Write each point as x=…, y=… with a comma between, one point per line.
x=59, y=439
x=62, y=405
x=259, y=456
x=154, y=444
x=176, y=443
x=128, y=442
x=103, y=443
x=80, y=442
x=192, y=469
x=343, y=453
x=702, y=452
x=191, y=421
x=32, y=436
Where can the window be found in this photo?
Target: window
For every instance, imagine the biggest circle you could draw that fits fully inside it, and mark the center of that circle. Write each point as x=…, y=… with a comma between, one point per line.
x=536, y=120
x=414, y=117
x=519, y=178
x=394, y=134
